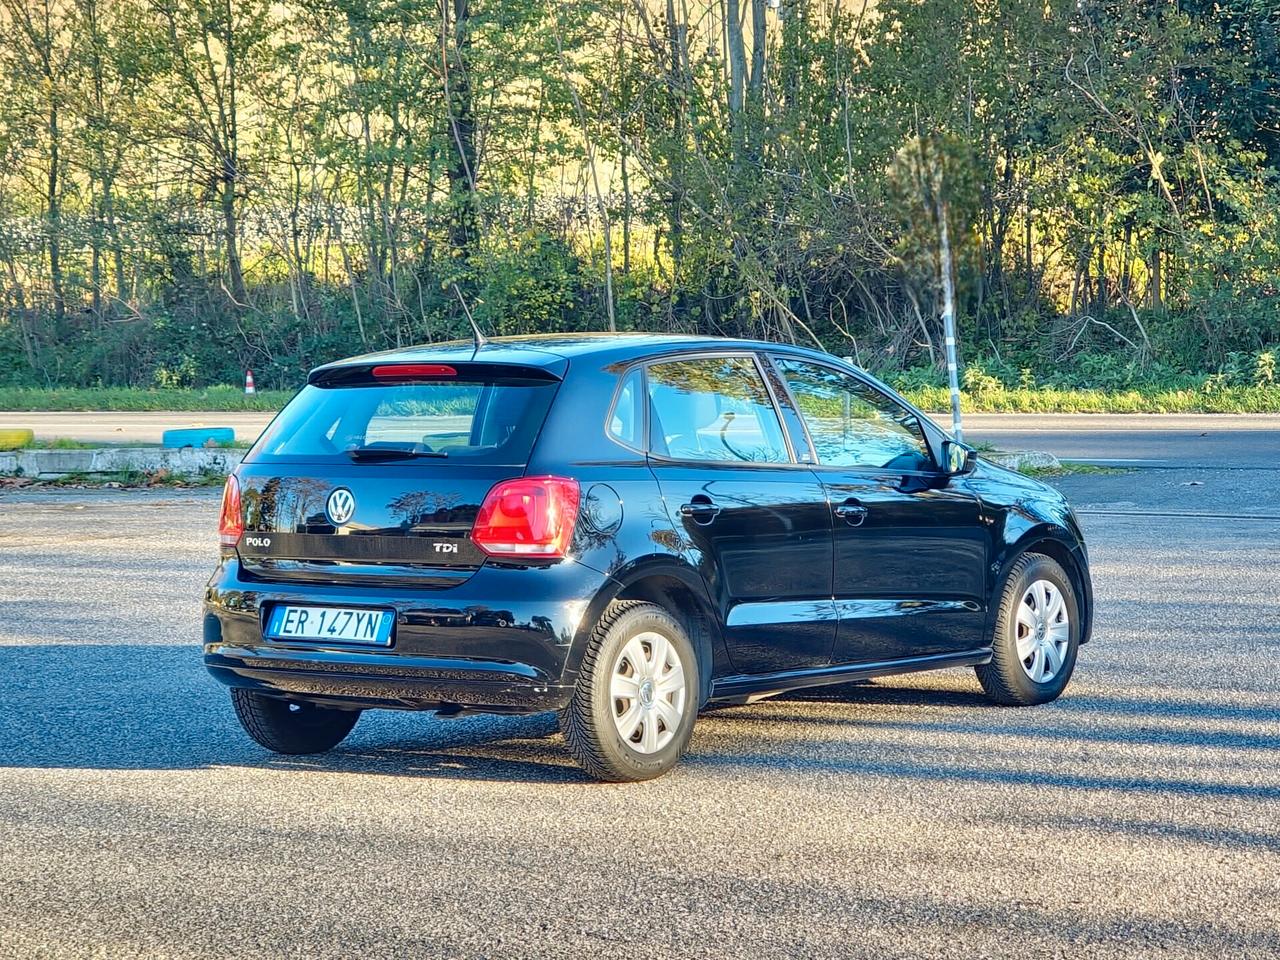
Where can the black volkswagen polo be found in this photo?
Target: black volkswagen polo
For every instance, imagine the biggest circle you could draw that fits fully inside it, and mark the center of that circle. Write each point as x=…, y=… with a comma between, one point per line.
x=621, y=529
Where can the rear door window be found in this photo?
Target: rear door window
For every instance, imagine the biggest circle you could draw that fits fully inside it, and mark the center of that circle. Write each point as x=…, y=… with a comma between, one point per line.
x=713, y=409
x=475, y=421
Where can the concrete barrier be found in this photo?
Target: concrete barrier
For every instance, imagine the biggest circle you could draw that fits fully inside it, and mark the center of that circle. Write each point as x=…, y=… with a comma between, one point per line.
x=183, y=462
x=194, y=462
x=1021, y=459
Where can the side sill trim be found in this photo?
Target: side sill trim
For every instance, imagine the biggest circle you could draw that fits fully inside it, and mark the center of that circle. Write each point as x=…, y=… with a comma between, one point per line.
x=768, y=684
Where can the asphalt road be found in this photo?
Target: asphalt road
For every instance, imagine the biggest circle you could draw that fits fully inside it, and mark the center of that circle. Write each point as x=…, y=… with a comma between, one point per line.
x=1138, y=440
x=1173, y=441
x=1135, y=817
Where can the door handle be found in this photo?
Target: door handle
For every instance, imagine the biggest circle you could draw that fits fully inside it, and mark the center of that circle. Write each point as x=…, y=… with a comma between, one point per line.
x=700, y=509
x=852, y=512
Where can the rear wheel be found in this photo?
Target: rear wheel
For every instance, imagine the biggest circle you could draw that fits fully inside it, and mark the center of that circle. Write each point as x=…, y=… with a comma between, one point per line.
x=632, y=714
x=1037, y=635
x=287, y=726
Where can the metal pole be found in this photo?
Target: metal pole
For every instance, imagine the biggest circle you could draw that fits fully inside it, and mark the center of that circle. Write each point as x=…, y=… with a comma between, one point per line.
x=949, y=316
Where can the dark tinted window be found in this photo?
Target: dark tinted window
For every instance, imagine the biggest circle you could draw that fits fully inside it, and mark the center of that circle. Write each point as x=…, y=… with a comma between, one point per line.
x=852, y=424
x=471, y=421
x=713, y=409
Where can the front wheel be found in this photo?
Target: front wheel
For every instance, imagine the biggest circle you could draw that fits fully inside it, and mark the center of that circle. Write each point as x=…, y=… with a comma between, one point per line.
x=1037, y=634
x=632, y=713
x=288, y=726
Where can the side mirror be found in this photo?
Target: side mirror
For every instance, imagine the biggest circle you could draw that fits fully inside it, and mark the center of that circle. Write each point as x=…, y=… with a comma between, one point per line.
x=959, y=458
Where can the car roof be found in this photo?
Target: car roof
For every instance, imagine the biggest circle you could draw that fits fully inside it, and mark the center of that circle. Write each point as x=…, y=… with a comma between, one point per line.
x=552, y=349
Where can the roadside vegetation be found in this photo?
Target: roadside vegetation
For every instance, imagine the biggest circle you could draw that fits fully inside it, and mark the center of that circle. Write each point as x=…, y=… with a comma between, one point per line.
x=1069, y=468
x=56, y=443
x=122, y=479
x=1101, y=385
x=923, y=387
x=223, y=398
x=192, y=190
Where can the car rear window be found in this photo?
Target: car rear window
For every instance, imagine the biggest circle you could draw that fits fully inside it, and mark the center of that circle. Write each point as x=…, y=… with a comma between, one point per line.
x=472, y=421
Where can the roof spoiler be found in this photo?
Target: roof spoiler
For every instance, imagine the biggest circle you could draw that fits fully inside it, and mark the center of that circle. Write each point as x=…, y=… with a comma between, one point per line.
x=389, y=372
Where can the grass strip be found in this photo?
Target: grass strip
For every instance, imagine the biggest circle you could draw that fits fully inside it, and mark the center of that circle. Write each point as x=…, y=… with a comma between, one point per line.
x=226, y=399
x=1218, y=399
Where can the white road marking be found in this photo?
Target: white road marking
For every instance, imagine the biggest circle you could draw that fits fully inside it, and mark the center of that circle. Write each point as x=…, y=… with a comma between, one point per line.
x=1112, y=460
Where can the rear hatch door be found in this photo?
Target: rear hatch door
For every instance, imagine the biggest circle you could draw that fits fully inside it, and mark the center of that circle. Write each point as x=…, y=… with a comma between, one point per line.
x=379, y=470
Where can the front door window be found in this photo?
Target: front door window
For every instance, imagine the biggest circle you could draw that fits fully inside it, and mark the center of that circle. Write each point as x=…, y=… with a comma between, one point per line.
x=853, y=424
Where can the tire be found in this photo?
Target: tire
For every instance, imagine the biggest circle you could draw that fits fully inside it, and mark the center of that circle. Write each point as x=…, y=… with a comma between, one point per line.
x=291, y=727
x=628, y=738
x=1033, y=651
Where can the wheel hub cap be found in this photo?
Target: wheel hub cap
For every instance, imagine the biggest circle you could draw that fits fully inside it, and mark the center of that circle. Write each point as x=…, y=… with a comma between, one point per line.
x=647, y=692
x=1042, y=630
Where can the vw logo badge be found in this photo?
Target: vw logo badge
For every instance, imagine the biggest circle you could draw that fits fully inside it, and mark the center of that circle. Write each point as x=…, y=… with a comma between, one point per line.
x=341, y=505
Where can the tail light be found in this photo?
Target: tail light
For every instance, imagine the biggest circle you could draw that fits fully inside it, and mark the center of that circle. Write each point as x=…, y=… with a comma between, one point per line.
x=231, y=522
x=528, y=517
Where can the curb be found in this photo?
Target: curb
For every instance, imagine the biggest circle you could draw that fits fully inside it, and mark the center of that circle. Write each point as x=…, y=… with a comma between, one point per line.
x=54, y=464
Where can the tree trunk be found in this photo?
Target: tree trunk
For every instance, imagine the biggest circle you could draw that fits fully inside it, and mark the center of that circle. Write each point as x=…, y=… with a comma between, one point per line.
x=1155, y=292
x=626, y=207
x=462, y=129
x=1126, y=269
x=24, y=319
x=53, y=206
x=95, y=252
x=231, y=164
x=675, y=196
x=113, y=233
x=1104, y=295
x=531, y=186
x=755, y=84
x=737, y=55
x=231, y=233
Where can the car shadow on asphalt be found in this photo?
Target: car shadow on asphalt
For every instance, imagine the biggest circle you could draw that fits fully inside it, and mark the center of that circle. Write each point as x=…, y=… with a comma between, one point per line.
x=500, y=749
x=153, y=707
x=1182, y=723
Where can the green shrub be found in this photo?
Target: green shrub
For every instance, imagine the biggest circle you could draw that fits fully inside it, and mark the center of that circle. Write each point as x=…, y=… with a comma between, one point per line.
x=1264, y=368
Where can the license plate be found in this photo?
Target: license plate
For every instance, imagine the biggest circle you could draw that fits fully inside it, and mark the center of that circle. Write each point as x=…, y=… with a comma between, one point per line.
x=333, y=624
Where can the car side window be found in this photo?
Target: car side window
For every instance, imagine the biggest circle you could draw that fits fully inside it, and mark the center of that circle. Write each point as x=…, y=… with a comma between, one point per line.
x=851, y=423
x=626, y=420
x=713, y=409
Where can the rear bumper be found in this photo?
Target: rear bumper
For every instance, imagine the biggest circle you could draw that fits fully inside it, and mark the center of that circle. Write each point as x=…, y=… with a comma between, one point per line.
x=460, y=649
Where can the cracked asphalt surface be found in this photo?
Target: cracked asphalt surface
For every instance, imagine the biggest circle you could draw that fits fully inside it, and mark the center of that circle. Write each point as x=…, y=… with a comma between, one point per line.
x=1139, y=816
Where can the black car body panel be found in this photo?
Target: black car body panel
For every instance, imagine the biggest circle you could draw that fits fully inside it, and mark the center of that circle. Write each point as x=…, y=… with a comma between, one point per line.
x=786, y=573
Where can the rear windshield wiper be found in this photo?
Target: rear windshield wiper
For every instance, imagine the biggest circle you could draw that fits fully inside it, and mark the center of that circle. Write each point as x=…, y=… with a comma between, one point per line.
x=393, y=451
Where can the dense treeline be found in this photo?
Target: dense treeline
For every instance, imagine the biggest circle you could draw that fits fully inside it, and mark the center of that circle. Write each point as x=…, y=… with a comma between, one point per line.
x=192, y=187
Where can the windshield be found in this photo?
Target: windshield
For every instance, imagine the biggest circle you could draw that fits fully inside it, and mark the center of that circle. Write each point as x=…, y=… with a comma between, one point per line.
x=471, y=421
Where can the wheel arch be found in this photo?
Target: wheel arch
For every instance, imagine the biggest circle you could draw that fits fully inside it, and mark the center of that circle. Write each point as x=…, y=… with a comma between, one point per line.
x=1060, y=545
x=678, y=589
